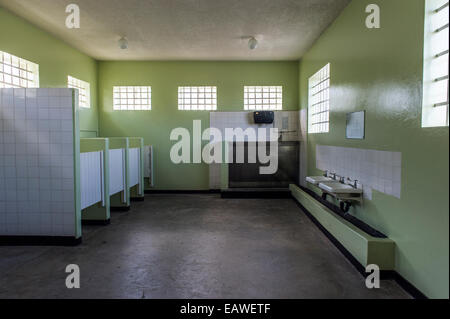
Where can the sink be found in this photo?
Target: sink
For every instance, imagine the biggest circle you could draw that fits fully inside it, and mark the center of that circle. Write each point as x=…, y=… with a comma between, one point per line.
x=335, y=187
x=316, y=180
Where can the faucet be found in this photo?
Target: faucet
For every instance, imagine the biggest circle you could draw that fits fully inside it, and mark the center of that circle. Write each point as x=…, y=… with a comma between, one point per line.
x=326, y=173
x=354, y=183
x=333, y=175
x=342, y=180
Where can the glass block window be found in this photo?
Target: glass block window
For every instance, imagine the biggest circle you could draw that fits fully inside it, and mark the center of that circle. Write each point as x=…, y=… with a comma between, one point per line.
x=84, y=91
x=197, y=98
x=319, y=101
x=435, y=73
x=263, y=98
x=16, y=72
x=132, y=98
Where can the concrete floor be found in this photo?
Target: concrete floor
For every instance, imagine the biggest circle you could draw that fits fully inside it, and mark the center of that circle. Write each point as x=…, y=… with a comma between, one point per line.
x=193, y=246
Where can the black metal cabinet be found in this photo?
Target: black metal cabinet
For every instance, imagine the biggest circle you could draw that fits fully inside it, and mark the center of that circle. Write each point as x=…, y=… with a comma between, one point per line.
x=247, y=175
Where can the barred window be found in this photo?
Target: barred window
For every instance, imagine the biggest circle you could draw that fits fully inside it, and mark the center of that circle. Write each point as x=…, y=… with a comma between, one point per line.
x=263, y=98
x=197, y=98
x=132, y=98
x=84, y=91
x=16, y=72
x=435, y=82
x=319, y=101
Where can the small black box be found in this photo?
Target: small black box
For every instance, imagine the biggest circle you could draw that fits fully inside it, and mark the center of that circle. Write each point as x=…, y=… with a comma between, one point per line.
x=264, y=117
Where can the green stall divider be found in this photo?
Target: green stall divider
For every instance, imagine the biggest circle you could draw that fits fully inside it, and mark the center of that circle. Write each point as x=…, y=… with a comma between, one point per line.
x=137, y=191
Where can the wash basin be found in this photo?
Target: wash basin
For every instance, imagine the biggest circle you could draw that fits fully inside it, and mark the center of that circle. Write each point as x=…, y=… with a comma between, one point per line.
x=339, y=188
x=316, y=180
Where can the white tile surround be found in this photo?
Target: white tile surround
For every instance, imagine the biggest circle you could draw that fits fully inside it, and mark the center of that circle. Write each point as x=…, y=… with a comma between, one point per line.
x=375, y=170
x=37, y=162
x=244, y=120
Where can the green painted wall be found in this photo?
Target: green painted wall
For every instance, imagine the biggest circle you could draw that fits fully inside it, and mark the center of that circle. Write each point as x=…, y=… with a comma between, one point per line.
x=381, y=71
x=165, y=77
x=56, y=61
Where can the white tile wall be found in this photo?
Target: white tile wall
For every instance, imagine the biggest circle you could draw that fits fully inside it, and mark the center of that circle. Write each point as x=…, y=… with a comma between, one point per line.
x=378, y=170
x=36, y=162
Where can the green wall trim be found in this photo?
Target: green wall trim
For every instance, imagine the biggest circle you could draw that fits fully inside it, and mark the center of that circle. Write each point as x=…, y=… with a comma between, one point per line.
x=93, y=144
x=365, y=248
x=118, y=142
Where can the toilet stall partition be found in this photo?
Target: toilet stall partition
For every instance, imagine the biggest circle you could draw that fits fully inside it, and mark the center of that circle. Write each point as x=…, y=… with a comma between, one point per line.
x=119, y=188
x=91, y=168
x=149, y=173
x=95, y=185
x=136, y=160
x=40, y=200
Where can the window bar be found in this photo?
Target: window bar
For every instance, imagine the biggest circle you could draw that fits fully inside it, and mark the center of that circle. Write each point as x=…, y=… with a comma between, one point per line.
x=317, y=123
x=441, y=54
x=441, y=8
x=441, y=104
x=321, y=112
x=314, y=86
x=319, y=102
x=320, y=91
x=442, y=78
x=441, y=28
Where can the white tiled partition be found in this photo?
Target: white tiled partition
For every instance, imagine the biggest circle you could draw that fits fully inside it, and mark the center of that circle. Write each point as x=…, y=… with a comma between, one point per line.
x=37, y=163
x=375, y=170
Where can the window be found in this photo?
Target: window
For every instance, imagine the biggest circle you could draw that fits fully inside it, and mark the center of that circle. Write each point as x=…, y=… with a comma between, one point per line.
x=319, y=101
x=263, y=98
x=197, y=98
x=17, y=73
x=132, y=98
x=84, y=91
x=435, y=73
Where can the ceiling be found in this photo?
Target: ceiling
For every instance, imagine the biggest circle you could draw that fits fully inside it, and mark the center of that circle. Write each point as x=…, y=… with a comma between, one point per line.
x=186, y=29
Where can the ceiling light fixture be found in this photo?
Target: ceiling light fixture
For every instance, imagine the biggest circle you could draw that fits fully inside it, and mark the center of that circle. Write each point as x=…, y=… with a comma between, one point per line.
x=252, y=43
x=123, y=43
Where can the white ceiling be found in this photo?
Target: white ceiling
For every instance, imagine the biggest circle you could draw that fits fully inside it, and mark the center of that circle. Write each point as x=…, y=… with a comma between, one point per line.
x=186, y=29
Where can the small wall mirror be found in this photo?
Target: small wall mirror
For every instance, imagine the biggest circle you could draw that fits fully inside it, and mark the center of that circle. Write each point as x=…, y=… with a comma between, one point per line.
x=356, y=125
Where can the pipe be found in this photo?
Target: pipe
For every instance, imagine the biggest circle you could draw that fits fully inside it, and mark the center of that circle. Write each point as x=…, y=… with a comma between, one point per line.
x=345, y=206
